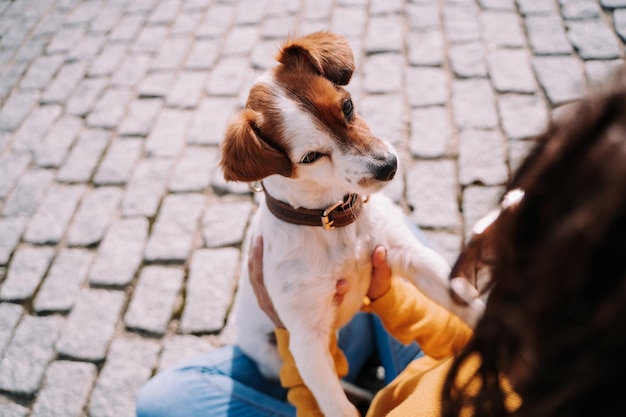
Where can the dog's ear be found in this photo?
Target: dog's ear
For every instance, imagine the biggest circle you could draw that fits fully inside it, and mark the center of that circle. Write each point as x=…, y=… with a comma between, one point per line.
x=248, y=157
x=328, y=54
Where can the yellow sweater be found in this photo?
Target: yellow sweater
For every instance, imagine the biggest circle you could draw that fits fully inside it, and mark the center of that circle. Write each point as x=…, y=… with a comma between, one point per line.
x=416, y=392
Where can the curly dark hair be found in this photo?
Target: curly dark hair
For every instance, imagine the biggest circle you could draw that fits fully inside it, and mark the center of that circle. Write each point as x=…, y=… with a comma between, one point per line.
x=557, y=261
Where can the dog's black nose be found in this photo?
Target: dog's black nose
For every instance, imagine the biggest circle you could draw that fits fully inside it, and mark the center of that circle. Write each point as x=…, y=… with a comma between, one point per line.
x=387, y=169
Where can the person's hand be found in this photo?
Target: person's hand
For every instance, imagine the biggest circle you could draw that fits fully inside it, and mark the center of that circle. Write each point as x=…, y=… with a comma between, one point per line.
x=381, y=274
x=255, y=272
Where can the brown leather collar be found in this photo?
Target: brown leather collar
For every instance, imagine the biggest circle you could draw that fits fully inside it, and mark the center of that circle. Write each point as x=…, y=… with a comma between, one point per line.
x=340, y=214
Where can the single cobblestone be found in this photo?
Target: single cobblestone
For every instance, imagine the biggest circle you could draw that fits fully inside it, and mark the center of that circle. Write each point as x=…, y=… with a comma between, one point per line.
x=27, y=195
x=431, y=132
x=383, y=73
x=65, y=39
x=90, y=326
x=510, y=71
x=203, y=55
x=66, y=388
x=120, y=253
x=227, y=76
x=140, y=117
x=461, y=22
x=66, y=277
x=467, y=60
x=108, y=60
x=128, y=367
x=49, y=223
x=478, y=151
x=527, y=7
x=579, y=9
x=384, y=34
x=110, y=109
x=168, y=136
x=593, y=39
x=156, y=84
x=59, y=90
x=431, y=191
x=224, y=224
x=187, y=90
x=149, y=39
x=390, y=124
x=119, y=161
x=171, y=54
x=12, y=165
x=11, y=230
x=28, y=354
x=546, y=35
x=154, y=299
x=428, y=87
x=16, y=108
x=10, y=315
x=85, y=96
x=502, y=29
x=84, y=157
x=54, y=148
x=522, y=116
x=425, y=48
x=146, y=187
x=422, y=17
x=211, y=277
x=127, y=28
x=173, y=233
x=562, y=78
x=35, y=126
x=209, y=122
x=473, y=104
x=41, y=71
x=94, y=216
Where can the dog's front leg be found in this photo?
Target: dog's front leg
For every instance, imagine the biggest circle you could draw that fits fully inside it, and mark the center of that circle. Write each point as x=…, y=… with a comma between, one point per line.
x=310, y=348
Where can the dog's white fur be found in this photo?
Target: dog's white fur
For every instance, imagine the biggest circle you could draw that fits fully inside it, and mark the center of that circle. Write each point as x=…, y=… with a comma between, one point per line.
x=302, y=264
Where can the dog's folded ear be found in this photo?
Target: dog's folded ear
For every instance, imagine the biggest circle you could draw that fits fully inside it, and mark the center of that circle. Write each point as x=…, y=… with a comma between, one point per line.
x=246, y=156
x=328, y=54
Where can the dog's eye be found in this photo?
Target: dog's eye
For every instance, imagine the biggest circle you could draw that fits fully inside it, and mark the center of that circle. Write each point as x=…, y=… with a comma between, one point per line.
x=311, y=157
x=347, y=108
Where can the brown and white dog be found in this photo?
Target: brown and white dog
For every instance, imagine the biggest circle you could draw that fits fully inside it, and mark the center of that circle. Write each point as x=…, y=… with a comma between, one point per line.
x=318, y=161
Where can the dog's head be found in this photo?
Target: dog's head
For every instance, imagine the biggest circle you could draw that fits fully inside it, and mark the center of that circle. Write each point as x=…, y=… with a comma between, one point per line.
x=300, y=123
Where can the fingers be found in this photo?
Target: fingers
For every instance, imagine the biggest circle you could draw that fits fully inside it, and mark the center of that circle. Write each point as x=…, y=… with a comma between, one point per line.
x=381, y=273
x=341, y=288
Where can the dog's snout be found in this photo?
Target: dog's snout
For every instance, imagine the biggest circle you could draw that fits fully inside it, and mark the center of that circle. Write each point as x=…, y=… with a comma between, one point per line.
x=387, y=168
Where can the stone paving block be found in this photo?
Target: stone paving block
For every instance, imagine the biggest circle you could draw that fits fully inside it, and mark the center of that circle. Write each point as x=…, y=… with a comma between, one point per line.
x=156, y=84
x=613, y=4
x=127, y=28
x=194, y=169
x=172, y=53
x=173, y=232
x=427, y=87
x=482, y=157
x=390, y=124
x=502, y=29
x=154, y=299
x=383, y=73
x=28, y=193
x=510, y=71
x=473, y=104
x=140, y=117
x=431, y=132
x=215, y=23
x=506, y=5
x=28, y=354
x=461, y=22
x=240, y=40
x=579, y=9
x=118, y=162
x=187, y=90
x=180, y=348
x=65, y=39
x=228, y=76
x=164, y=12
x=203, y=54
x=546, y=35
x=11, y=230
x=467, y=60
x=316, y=10
x=49, y=223
x=432, y=192
x=54, y=148
x=168, y=135
x=209, y=121
x=421, y=17
x=263, y=56
x=68, y=78
x=425, y=48
x=108, y=60
x=110, y=109
x=250, y=12
x=84, y=13
x=350, y=22
x=562, y=78
x=131, y=71
x=87, y=48
x=27, y=53
x=49, y=25
x=16, y=108
x=35, y=126
x=518, y=150
x=85, y=96
x=120, y=253
x=10, y=315
x=104, y=22
x=212, y=276
x=527, y=7
x=61, y=287
x=12, y=165
x=66, y=389
x=522, y=116
x=600, y=71
x=94, y=216
x=128, y=366
x=225, y=224
x=186, y=23
x=593, y=39
x=149, y=39
x=477, y=202
x=384, y=34
x=84, y=157
x=91, y=324
x=146, y=187
x=10, y=77
x=41, y=71
x=142, y=7
x=13, y=410
x=278, y=27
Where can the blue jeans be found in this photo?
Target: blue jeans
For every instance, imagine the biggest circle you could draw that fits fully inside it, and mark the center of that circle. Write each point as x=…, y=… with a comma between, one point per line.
x=225, y=382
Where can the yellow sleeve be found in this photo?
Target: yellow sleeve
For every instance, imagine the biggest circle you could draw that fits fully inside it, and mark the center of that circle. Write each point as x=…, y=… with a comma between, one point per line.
x=298, y=394
x=409, y=316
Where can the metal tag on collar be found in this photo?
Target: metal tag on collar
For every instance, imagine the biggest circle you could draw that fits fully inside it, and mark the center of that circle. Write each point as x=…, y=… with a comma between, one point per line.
x=326, y=222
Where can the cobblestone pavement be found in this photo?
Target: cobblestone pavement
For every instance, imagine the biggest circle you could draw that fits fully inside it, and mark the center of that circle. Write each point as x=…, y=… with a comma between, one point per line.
x=120, y=242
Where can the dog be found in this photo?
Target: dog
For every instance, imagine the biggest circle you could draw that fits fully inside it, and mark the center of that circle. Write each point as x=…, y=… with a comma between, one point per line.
x=321, y=170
